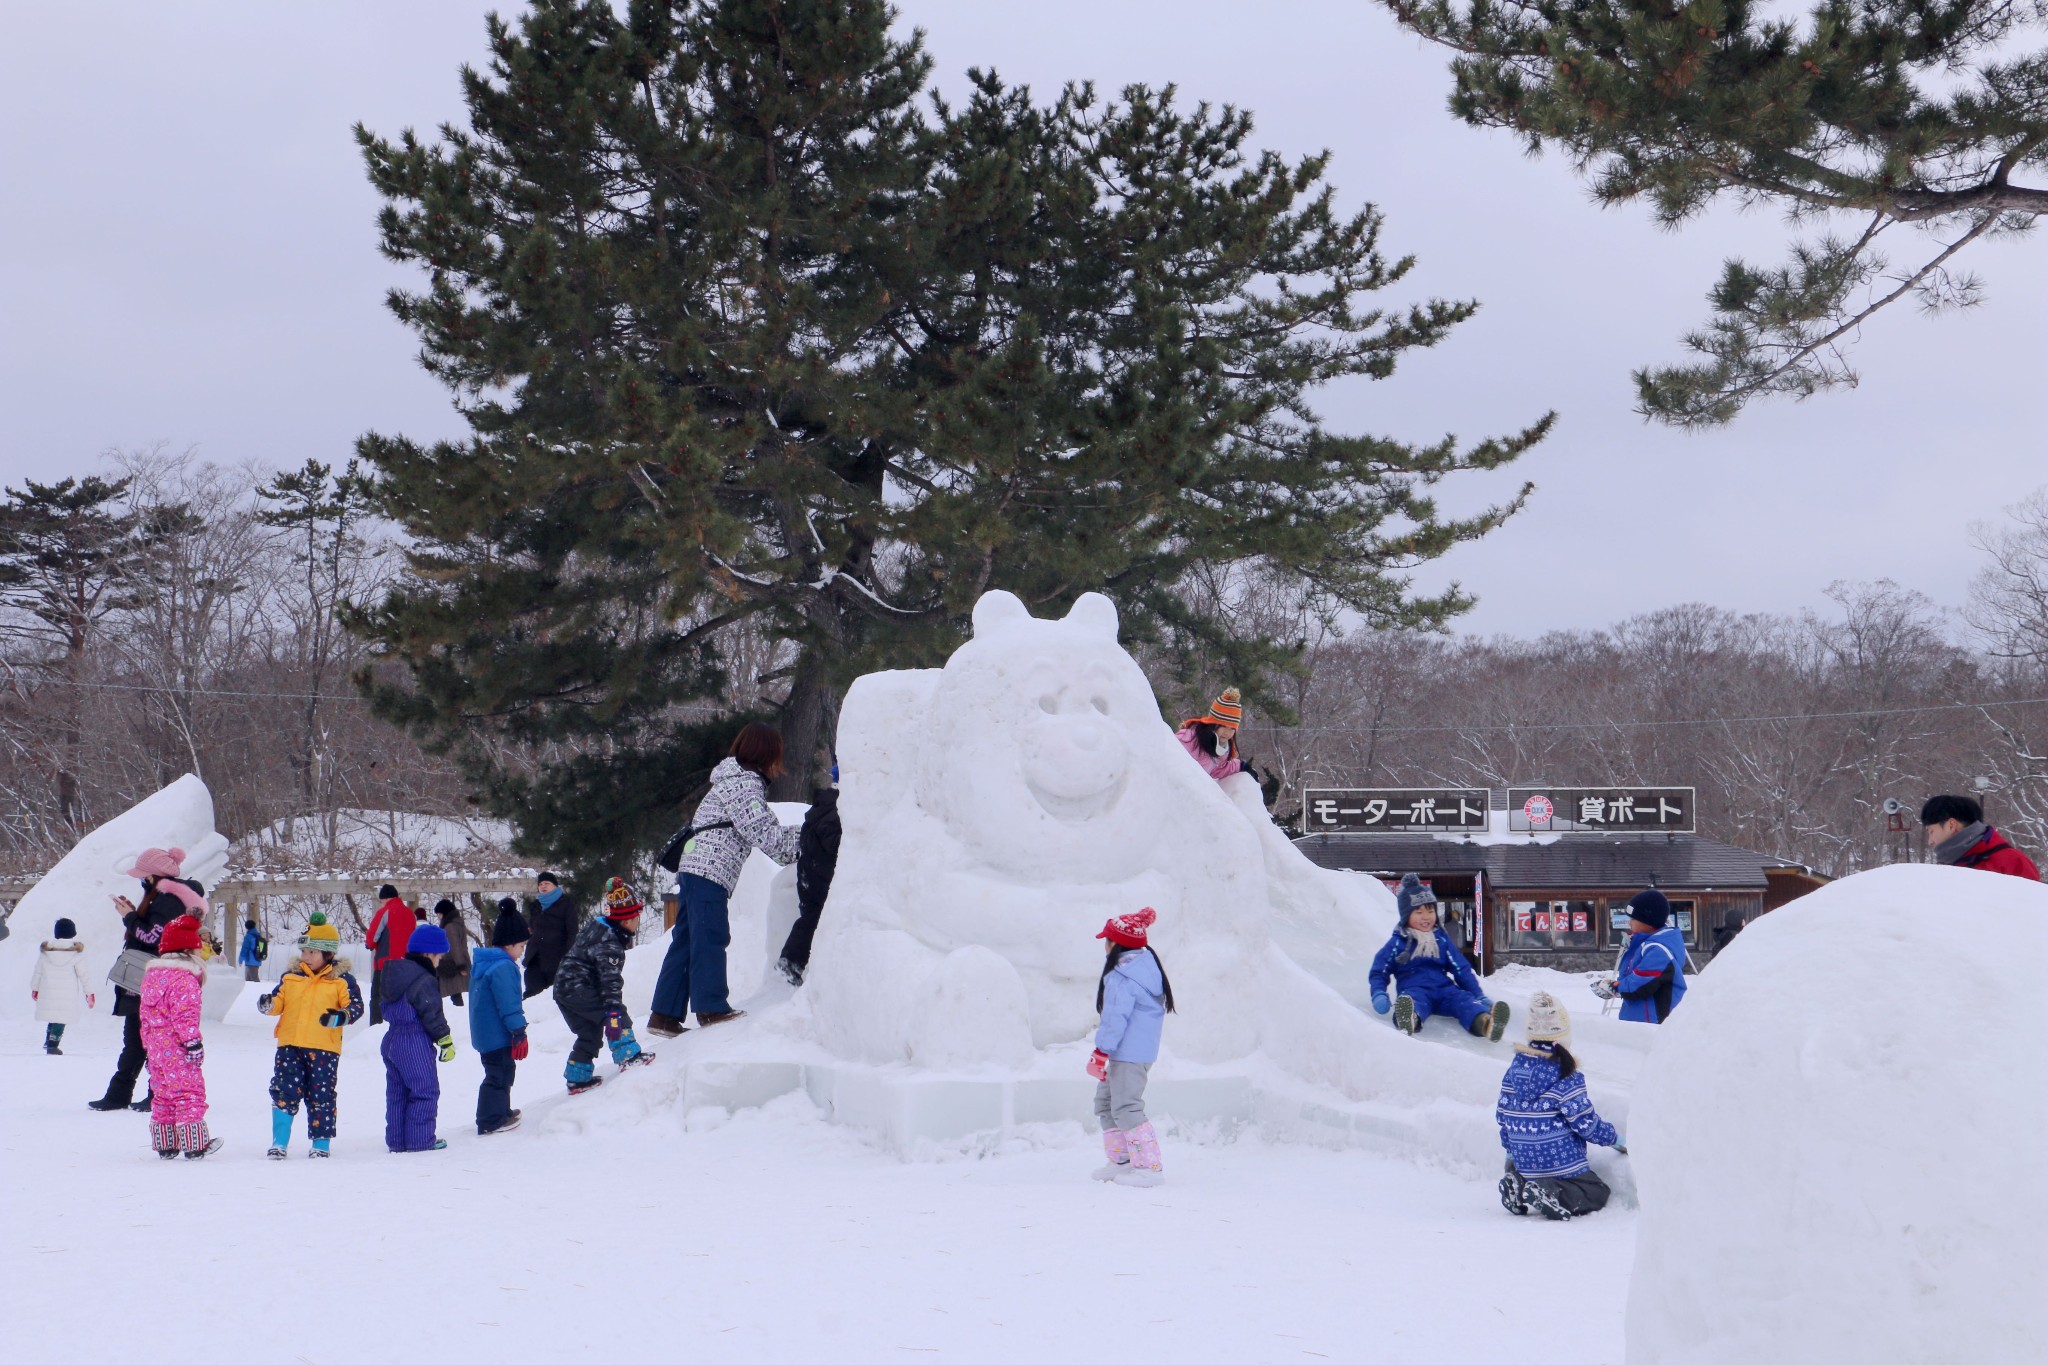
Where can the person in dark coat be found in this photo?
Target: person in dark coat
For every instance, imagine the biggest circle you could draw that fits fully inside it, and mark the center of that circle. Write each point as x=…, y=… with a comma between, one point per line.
x=553, y=923
x=165, y=897
x=497, y=1020
x=591, y=987
x=455, y=966
x=415, y=1030
x=390, y=929
x=817, y=857
x=1958, y=837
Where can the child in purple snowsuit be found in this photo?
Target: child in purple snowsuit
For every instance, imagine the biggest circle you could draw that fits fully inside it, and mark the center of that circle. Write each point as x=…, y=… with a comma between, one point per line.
x=414, y=1031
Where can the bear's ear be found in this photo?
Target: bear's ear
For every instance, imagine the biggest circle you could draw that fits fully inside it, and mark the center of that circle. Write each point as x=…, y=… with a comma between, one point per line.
x=997, y=609
x=1096, y=614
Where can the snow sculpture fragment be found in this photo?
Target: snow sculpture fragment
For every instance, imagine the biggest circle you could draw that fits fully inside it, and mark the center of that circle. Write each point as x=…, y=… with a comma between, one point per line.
x=998, y=810
x=1838, y=1147
x=84, y=882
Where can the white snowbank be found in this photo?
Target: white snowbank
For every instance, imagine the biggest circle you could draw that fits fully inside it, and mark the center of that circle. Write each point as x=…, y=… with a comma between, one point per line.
x=83, y=884
x=1838, y=1136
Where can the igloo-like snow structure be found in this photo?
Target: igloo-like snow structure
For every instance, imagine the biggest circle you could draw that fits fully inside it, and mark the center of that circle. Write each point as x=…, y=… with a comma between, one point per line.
x=1838, y=1139
x=83, y=884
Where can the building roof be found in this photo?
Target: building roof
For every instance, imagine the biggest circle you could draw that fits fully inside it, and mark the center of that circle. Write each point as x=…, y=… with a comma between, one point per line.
x=1573, y=862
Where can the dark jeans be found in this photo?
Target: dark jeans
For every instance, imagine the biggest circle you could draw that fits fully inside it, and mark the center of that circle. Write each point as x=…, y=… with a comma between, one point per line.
x=796, y=949
x=121, y=1089
x=494, y=1096
x=249, y=971
x=693, y=971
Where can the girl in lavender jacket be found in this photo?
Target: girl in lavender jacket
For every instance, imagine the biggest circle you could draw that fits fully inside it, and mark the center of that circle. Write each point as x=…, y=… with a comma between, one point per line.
x=1134, y=998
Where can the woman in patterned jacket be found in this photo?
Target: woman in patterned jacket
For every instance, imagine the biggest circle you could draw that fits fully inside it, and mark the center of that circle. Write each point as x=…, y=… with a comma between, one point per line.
x=732, y=820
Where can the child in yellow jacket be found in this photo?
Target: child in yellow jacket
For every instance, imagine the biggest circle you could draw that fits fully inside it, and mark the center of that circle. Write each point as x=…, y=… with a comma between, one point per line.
x=312, y=1002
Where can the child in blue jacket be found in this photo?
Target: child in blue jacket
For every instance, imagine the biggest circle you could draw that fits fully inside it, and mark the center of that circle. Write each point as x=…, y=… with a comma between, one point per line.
x=1651, y=976
x=497, y=1018
x=1546, y=1119
x=1133, y=997
x=1430, y=973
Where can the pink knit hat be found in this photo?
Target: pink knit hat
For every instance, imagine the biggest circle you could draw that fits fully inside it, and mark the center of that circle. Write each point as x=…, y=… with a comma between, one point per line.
x=158, y=862
x=1129, y=930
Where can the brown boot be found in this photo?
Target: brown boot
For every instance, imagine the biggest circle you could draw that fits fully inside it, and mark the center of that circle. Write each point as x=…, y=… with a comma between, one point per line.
x=665, y=1026
x=707, y=1020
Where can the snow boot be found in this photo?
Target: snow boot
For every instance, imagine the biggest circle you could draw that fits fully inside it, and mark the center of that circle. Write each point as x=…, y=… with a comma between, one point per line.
x=168, y=1153
x=321, y=1150
x=1514, y=1193
x=277, y=1154
x=1493, y=1023
x=143, y=1105
x=1543, y=1200
x=1116, y=1145
x=1144, y=1170
x=1404, y=1015
x=791, y=973
x=666, y=1026
x=587, y=1083
x=707, y=1020
x=106, y=1104
x=213, y=1144
x=637, y=1059
x=53, y=1050
x=505, y=1125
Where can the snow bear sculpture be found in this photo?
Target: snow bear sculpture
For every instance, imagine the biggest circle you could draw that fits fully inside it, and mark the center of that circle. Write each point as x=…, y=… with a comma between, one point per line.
x=998, y=810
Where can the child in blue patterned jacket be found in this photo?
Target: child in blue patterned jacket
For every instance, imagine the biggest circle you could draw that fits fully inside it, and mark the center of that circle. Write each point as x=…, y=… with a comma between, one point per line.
x=1546, y=1119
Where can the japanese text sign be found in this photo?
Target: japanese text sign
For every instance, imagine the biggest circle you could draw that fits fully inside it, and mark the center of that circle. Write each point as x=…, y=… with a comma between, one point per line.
x=1393, y=810
x=1637, y=810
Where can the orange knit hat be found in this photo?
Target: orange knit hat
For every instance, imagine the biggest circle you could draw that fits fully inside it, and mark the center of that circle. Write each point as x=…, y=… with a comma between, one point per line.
x=1227, y=709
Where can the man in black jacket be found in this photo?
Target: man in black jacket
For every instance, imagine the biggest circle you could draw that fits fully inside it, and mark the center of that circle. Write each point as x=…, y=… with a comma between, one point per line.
x=554, y=923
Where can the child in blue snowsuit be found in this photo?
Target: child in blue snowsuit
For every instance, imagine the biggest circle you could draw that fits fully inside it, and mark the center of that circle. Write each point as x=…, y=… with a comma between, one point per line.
x=497, y=1018
x=1430, y=973
x=1546, y=1119
x=1651, y=977
x=414, y=1031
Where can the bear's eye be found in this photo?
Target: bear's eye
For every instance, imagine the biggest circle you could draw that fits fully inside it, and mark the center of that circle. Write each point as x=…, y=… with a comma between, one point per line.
x=1049, y=704
x=1100, y=704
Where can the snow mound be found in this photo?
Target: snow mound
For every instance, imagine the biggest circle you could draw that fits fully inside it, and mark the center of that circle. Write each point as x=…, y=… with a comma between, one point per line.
x=83, y=884
x=1837, y=1138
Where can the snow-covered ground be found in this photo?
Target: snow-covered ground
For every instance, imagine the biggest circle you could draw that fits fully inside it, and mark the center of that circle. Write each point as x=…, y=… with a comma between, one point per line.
x=613, y=1228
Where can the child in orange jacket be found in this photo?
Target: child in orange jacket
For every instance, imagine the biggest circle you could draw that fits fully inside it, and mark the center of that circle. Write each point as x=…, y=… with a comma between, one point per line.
x=312, y=1002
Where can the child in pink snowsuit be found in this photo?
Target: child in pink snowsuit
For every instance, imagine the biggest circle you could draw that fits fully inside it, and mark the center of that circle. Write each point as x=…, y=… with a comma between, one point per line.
x=1211, y=740
x=173, y=989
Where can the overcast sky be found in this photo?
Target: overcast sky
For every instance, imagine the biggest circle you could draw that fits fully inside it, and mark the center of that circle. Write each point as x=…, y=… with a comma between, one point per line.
x=187, y=255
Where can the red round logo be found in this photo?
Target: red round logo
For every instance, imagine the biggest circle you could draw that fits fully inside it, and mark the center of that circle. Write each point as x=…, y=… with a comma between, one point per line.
x=1539, y=810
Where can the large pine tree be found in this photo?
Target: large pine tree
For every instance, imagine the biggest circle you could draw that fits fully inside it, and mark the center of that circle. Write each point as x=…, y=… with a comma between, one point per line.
x=746, y=333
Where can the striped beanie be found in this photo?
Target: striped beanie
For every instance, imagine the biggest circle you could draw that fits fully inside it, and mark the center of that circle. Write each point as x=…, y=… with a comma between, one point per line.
x=1227, y=709
x=620, y=902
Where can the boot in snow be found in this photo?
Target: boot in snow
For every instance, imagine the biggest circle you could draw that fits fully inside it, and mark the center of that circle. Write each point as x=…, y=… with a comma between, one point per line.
x=1144, y=1169
x=106, y=1104
x=321, y=1150
x=637, y=1059
x=505, y=1125
x=587, y=1083
x=212, y=1145
x=277, y=1154
x=1404, y=1015
x=1116, y=1145
x=142, y=1106
x=1541, y=1200
x=707, y=1020
x=665, y=1026
x=791, y=973
x=1514, y=1193
x=1493, y=1023
x=53, y=1049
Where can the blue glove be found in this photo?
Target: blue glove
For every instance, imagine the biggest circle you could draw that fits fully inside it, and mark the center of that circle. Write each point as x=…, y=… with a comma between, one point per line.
x=334, y=1019
x=1380, y=1002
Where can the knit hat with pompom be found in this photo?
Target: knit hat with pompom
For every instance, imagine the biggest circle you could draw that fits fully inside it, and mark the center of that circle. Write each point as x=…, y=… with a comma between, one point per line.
x=181, y=935
x=320, y=936
x=1129, y=930
x=620, y=902
x=1546, y=1021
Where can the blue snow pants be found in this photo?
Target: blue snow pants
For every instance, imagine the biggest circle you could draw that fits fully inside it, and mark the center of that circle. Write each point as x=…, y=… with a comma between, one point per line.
x=412, y=1088
x=693, y=970
x=1434, y=994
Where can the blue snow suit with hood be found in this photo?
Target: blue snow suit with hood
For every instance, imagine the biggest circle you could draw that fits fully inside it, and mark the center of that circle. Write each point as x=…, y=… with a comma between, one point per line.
x=1651, y=977
x=413, y=1024
x=1444, y=984
x=1133, y=1009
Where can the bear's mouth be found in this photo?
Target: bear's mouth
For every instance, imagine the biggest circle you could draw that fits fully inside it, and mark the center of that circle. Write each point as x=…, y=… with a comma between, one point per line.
x=1076, y=809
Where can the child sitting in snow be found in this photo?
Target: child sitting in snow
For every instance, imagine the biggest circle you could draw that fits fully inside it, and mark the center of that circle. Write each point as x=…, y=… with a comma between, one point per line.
x=1133, y=997
x=58, y=983
x=414, y=1031
x=1429, y=971
x=312, y=1001
x=497, y=1019
x=173, y=990
x=590, y=988
x=1546, y=1119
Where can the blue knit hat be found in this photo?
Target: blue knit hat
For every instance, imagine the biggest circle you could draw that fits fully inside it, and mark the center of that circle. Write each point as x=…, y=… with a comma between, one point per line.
x=427, y=938
x=1650, y=907
x=1411, y=894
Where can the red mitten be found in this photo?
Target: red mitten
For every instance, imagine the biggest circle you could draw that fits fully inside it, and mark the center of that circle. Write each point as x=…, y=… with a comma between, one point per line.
x=519, y=1049
x=1098, y=1065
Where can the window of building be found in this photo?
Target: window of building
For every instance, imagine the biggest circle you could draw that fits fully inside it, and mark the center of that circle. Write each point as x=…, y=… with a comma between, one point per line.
x=1553, y=924
x=1681, y=915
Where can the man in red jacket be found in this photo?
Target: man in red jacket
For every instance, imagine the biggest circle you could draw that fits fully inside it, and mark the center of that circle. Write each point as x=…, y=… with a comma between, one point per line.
x=1958, y=836
x=390, y=930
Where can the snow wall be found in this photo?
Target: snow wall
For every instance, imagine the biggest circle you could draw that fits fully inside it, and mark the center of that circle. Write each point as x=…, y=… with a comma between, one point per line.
x=1838, y=1138
x=83, y=884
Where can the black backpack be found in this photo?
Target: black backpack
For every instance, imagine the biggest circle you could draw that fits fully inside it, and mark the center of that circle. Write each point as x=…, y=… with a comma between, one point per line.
x=679, y=843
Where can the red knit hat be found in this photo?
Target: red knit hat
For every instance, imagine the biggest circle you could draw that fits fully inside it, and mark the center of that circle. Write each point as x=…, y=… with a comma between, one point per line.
x=181, y=935
x=619, y=900
x=1129, y=930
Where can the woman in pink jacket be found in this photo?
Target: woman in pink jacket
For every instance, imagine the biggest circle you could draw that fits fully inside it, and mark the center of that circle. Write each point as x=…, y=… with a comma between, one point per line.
x=1211, y=740
x=173, y=988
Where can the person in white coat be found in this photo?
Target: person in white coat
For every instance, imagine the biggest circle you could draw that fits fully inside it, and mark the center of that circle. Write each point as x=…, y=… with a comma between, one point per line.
x=58, y=983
